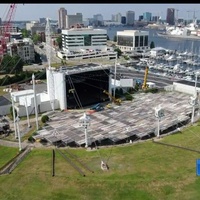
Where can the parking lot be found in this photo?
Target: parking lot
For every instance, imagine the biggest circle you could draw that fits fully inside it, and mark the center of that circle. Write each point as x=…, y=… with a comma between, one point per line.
x=131, y=121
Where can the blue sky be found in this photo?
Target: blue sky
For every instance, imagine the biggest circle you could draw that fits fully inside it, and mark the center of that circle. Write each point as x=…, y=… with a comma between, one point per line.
x=36, y=11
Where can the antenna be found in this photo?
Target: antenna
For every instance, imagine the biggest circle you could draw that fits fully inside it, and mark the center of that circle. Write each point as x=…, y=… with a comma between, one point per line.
x=49, y=73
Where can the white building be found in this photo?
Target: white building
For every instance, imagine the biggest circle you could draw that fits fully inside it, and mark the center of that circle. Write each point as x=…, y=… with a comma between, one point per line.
x=157, y=51
x=25, y=98
x=31, y=24
x=78, y=39
x=185, y=86
x=24, y=48
x=132, y=40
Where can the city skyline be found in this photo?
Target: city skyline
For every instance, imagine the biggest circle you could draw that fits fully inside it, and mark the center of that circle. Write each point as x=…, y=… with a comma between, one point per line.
x=185, y=11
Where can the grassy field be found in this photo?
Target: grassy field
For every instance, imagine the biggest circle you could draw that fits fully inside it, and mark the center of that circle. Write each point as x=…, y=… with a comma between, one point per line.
x=146, y=171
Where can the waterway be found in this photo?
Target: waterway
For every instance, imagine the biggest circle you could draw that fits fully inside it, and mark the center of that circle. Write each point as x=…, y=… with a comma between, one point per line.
x=168, y=43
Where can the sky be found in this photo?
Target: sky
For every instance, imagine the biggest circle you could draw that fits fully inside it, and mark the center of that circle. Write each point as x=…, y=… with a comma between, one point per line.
x=36, y=11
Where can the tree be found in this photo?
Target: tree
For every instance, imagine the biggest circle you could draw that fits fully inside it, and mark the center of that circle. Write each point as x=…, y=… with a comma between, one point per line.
x=59, y=42
x=36, y=38
x=37, y=57
x=152, y=45
x=119, y=52
x=108, y=37
x=12, y=64
x=25, y=33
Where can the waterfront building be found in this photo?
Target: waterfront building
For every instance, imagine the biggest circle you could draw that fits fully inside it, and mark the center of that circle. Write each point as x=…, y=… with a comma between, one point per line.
x=147, y=16
x=73, y=20
x=130, y=18
x=140, y=18
x=170, y=16
x=62, y=12
x=98, y=20
x=123, y=20
x=117, y=18
x=132, y=40
x=80, y=39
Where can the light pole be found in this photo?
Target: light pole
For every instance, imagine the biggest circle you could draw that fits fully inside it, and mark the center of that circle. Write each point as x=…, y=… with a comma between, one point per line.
x=193, y=102
x=115, y=74
x=28, y=121
x=159, y=113
x=19, y=135
x=195, y=88
x=14, y=120
x=85, y=122
x=35, y=102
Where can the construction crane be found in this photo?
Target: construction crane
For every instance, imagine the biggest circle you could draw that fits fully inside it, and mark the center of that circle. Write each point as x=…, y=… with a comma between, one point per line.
x=115, y=100
x=5, y=35
x=144, y=85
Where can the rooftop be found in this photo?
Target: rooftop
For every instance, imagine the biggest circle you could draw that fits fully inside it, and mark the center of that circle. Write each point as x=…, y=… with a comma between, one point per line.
x=84, y=68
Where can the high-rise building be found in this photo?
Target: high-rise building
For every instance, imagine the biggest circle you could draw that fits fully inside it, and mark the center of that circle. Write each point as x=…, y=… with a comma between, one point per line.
x=42, y=20
x=123, y=21
x=170, y=16
x=130, y=18
x=62, y=18
x=98, y=20
x=74, y=20
x=147, y=16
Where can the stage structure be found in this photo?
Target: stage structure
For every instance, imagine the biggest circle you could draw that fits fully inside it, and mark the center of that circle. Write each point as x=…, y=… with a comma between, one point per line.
x=82, y=85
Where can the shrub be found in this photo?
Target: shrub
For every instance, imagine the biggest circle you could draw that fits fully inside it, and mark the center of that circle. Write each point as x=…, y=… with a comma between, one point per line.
x=31, y=139
x=129, y=97
x=44, y=118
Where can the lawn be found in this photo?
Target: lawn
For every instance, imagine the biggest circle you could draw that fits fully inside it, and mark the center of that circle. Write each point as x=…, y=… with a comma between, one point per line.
x=145, y=170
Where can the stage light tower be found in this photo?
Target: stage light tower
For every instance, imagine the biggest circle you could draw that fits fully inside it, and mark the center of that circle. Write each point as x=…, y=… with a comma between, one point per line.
x=159, y=113
x=85, y=122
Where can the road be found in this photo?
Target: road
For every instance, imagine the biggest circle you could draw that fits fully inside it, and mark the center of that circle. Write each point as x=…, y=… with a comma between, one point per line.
x=130, y=72
x=42, y=52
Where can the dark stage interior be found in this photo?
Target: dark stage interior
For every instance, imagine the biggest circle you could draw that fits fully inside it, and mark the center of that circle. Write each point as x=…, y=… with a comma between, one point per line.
x=85, y=89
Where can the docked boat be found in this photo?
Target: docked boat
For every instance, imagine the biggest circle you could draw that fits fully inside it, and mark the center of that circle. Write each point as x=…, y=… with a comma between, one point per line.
x=190, y=31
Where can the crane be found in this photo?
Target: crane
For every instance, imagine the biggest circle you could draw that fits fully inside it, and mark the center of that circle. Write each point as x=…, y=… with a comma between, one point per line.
x=116, y=101
x=5, y=37
x=144, y=85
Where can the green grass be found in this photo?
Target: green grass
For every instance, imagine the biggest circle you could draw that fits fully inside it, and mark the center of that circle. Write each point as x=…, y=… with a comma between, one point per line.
x=146, y=171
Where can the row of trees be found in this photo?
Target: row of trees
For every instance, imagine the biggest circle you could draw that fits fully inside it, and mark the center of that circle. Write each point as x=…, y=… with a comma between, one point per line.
x=22, y=77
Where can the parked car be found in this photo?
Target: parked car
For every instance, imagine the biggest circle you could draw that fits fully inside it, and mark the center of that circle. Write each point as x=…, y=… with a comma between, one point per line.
x=97, y=107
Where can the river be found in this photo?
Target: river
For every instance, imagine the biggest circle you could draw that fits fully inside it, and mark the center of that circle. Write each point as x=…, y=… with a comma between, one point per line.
x=168, y=43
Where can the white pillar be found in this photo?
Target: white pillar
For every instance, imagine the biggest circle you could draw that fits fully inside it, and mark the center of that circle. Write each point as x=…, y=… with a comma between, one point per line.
x=115, y=75
x=27, y=114
x=19, y=135
x=35, y=102
x=86, y=137
x=193, y=109
x=158, y=134
x=14, y=119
